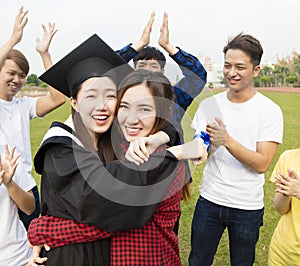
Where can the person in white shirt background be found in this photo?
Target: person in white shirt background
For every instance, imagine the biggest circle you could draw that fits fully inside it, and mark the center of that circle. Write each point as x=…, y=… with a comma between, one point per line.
x=15, y=115
x=245, y=128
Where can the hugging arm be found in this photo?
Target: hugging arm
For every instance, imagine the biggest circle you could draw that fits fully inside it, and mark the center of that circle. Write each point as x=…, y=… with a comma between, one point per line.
x=42, y=231
x=86, y=184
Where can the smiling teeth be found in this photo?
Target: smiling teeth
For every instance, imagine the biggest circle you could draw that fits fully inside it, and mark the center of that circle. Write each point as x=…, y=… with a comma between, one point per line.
x=13, y=86
x=100, y=117
x=133, y=129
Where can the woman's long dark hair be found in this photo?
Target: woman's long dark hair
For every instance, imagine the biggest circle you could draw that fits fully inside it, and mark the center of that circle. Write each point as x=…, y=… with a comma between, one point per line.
x=104, y=144
x=160, y=88
x=162, y=91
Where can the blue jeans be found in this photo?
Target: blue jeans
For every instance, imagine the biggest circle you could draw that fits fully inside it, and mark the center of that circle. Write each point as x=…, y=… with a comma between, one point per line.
x=209, y=223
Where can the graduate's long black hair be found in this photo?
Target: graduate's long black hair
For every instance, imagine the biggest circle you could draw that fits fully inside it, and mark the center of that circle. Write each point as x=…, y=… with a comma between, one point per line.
x=162, y=91
x=159, y=86
x=104, y=143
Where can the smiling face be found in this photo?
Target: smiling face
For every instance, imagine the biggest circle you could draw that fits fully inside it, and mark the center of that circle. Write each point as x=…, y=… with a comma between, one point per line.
x=96, y=103
x=12, y=79
x=238, y=70
x=137, y=112
x=150, y=64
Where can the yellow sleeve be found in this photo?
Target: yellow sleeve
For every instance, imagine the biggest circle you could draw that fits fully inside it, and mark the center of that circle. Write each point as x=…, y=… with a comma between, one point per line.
x=279, y=167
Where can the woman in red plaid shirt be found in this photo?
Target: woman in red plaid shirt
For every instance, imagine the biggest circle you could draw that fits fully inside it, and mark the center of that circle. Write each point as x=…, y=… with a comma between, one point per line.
x=150, y=203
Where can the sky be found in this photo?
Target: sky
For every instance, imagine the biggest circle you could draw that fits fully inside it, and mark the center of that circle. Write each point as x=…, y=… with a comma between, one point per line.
x=196, y=26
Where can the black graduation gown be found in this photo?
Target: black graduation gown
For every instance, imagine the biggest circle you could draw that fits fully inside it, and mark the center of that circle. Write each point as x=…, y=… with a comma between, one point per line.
x=76, y=185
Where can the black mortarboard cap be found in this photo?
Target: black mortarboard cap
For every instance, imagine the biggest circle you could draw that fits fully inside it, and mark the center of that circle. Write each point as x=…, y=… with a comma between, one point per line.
x=92, y=58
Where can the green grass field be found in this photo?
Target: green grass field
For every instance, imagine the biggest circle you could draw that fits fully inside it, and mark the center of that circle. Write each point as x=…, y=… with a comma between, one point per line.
x=289, y=103
x=39, y=127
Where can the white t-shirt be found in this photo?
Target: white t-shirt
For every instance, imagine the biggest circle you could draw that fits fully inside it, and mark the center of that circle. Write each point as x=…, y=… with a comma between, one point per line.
x=226, y=181
x=14, y=249
x=15, y=118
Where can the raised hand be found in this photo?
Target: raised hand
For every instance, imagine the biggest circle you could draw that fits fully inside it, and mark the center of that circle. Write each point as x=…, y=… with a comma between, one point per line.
x=42, y=45
x=8, y=166
x=164, y=40
x=20, y=22
x=145, y=38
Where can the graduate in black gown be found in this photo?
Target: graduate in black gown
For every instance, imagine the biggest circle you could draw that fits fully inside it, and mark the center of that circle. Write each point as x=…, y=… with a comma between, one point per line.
x=70, y=167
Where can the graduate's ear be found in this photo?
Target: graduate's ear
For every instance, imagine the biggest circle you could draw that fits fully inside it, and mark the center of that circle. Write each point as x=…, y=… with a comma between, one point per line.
x=74, y=103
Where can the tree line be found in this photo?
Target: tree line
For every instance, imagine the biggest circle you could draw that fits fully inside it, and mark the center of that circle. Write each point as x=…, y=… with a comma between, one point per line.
x=32, y=80
x=284, y=73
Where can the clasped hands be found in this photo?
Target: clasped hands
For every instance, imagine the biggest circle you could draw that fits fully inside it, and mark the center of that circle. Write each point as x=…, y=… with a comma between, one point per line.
x=288, y=185
x=218, y=133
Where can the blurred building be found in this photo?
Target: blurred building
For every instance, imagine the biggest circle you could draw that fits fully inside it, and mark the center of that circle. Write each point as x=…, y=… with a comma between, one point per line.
x=214, y=72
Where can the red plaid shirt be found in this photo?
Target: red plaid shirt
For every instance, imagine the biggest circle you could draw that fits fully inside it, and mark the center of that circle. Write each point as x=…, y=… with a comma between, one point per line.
x=153, y=244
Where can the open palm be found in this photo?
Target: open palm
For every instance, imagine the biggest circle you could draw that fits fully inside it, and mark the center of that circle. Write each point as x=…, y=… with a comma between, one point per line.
x=8, y=165
x=42, y=45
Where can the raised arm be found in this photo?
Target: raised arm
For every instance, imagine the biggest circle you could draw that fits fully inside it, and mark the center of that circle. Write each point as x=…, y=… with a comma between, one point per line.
x=42, y=45
x=47, y=103
x=193, y=82
x=16, y=36
x=23, y=199
x=164, y=40
x=194, y=73
x=131, y=50
x=145, y=38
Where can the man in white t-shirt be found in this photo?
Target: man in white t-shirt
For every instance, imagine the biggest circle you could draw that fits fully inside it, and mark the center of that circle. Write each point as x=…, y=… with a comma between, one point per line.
x=14, y=248
x=245, y=128
x=15, y=115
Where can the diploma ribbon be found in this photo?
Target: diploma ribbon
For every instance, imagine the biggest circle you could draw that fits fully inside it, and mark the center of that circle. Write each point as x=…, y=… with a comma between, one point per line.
x=205, y=137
